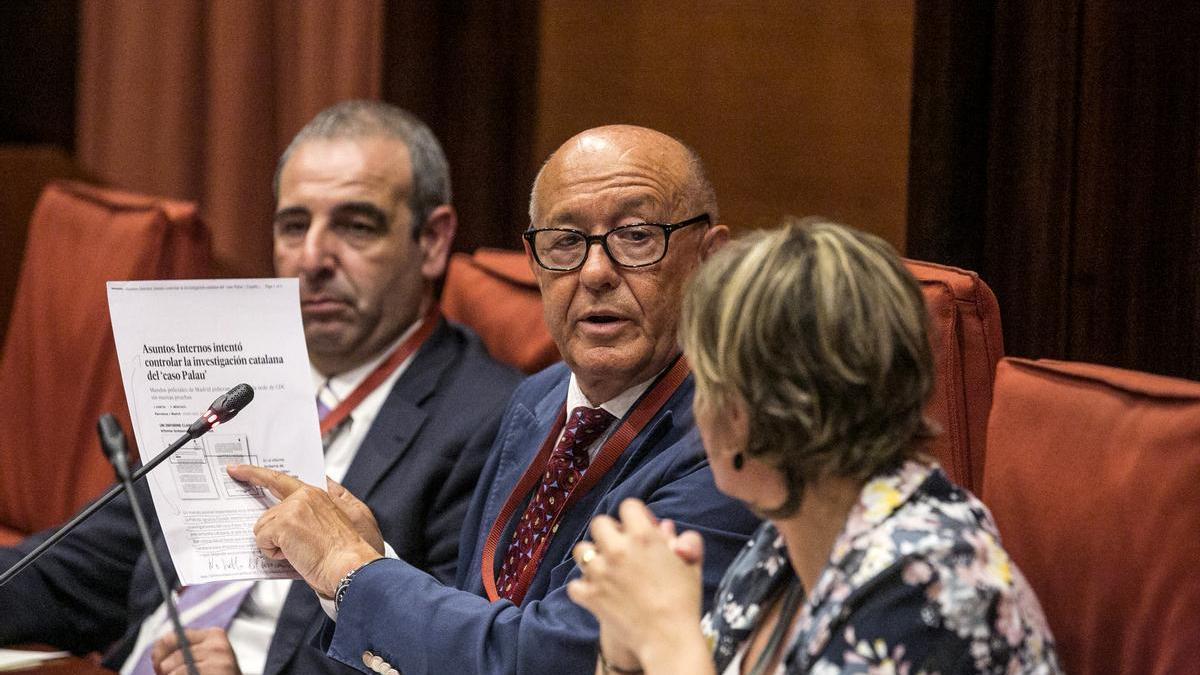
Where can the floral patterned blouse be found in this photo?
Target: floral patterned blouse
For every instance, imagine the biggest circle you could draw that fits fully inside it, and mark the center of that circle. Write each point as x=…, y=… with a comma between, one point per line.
x=916, y=583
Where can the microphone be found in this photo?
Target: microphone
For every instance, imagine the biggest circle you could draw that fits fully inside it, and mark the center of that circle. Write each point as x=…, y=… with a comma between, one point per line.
x=223, y=409
x=112, y=441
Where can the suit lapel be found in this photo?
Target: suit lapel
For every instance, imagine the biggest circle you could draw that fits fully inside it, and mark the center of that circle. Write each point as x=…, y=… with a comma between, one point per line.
x=643, y=448
x=401, y=417
x=399, y=421
x=524, y=440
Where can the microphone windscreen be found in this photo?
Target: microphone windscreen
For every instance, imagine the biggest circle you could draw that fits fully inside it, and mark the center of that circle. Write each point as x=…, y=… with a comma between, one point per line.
x=238, y=397
x=112, y=438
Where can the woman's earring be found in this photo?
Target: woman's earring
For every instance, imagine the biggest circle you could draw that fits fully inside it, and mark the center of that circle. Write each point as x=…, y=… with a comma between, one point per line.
x=739, y=460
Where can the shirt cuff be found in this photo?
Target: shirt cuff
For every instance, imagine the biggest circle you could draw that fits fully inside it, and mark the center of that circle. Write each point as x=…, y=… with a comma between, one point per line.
x=327, y=603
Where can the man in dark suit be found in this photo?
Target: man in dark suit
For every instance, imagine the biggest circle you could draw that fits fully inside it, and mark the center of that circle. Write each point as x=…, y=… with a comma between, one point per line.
x=614, y=422
x=364, y=221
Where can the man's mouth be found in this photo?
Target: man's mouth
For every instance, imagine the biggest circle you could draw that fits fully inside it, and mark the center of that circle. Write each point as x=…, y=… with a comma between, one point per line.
x=320, y=305
x=602, y=324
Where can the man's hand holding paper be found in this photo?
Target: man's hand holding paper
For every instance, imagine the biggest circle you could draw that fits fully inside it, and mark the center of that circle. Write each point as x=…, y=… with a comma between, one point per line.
x=322, y=534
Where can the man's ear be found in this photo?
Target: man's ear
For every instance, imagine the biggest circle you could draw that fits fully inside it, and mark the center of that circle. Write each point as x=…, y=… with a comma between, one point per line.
x=435, y=239
x=714, y=238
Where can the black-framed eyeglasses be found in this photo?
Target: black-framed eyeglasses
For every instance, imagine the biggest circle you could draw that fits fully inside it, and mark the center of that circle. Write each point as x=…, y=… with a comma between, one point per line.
x=634, y=245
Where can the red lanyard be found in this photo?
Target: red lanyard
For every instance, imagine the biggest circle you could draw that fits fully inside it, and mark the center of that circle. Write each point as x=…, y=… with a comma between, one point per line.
x=381, y=373
x=613, y=448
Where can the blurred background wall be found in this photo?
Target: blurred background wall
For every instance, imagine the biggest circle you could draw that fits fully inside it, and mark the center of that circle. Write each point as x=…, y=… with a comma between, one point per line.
x=1053, y=147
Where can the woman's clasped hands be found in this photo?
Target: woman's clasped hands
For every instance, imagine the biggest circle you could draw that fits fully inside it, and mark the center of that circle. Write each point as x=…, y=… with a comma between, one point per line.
x=642, y=581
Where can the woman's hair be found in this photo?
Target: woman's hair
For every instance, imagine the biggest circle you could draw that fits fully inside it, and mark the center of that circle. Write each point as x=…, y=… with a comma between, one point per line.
x=821, y=331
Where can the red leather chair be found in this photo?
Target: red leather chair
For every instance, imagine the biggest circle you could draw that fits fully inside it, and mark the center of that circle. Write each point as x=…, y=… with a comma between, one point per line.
x=493, y=291
x=25, y=170
x=964, y=331
x=59, y=371
x=1093, y=476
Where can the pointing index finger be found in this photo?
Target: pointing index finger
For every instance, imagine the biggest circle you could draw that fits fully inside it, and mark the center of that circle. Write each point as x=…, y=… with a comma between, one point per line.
x=280, y=484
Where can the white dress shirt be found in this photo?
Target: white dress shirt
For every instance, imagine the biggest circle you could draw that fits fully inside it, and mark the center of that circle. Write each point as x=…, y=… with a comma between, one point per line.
x=254, y=625
x=616, y=406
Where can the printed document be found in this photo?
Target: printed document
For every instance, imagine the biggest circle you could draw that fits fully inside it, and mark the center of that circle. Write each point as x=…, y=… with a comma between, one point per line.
x=182, y=344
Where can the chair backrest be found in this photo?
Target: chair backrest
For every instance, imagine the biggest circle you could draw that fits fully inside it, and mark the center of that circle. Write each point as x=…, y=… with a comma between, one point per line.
x=1092, y=477
x=964, y=331
x=59, y=371
x=493, y=292
x=25, y=170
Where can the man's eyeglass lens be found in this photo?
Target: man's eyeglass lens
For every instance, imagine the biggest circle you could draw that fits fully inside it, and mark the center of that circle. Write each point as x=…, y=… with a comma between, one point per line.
x=632, y=246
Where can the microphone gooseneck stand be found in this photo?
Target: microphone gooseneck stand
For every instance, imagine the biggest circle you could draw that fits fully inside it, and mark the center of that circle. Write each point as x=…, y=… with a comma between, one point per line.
x=112, y=441
x=222, y=410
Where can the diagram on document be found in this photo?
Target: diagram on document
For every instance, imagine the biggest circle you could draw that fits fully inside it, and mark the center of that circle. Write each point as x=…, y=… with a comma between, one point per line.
x=198, y=468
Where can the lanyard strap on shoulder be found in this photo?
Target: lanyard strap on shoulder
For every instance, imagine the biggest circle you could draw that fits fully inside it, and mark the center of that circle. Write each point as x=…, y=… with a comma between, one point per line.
x=398, y=356
x=616, y=445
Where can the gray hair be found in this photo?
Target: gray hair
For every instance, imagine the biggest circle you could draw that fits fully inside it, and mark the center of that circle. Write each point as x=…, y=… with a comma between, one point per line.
x=821, y=331
x=698, y=189
x=365, y=119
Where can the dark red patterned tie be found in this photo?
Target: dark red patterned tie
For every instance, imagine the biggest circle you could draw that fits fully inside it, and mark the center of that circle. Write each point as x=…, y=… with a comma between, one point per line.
x=566, y=465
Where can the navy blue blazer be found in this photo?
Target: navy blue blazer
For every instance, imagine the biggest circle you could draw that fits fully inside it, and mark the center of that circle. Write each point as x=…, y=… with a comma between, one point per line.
x=416, y=470
x=419, y=625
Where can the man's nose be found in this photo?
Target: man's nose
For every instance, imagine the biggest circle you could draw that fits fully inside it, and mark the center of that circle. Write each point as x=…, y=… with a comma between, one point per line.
x=319, y=252
x=598, y=270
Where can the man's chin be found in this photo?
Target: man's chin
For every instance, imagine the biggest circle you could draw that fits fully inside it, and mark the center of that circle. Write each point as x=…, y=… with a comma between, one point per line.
x=327, y=341
x=610, y=370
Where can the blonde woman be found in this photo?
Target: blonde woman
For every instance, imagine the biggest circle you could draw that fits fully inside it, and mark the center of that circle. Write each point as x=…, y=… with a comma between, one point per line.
x=812, y=367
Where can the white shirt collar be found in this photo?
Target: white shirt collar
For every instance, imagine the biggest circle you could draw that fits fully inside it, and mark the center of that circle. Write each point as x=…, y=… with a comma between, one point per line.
x=617, y=406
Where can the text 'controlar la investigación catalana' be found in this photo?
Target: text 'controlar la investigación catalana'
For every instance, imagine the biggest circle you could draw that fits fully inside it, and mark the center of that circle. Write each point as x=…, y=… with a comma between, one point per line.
x=191, y=361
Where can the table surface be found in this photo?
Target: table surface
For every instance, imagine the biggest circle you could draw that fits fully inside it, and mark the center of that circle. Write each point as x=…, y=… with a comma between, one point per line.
x=63, y=666
x=70, y=664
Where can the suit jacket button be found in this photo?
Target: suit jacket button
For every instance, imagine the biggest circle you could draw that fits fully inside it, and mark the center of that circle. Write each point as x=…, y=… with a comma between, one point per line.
x=367, y=656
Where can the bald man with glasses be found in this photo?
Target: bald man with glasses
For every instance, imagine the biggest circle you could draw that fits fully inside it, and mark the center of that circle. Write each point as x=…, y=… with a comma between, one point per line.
x=620, y=218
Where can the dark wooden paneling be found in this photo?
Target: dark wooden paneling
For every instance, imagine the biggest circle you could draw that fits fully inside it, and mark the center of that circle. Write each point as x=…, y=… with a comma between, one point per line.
x=947, y=194
x=1030, y=173
x=38, y=46
x=469, y=70
x=1134, y=278
x=1090, y=226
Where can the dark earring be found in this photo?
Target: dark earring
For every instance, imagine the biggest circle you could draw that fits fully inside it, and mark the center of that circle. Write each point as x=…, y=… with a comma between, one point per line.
x=739, y=460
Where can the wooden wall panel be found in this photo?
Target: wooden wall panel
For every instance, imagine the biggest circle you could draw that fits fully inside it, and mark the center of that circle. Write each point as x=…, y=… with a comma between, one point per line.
x=1086, y=219
x=952, y=76
x=38, y=55
x=1135, y=291
x=467, y=69
x=1030, y=176
x=798, y=108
